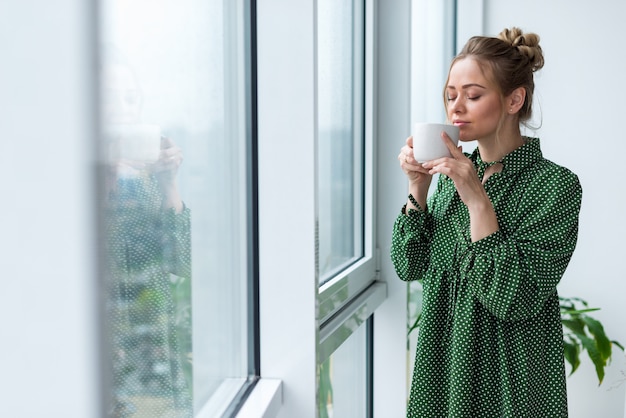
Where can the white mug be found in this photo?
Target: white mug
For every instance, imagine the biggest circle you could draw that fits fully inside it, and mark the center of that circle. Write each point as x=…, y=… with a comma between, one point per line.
x=427, y=142
x=135, y=142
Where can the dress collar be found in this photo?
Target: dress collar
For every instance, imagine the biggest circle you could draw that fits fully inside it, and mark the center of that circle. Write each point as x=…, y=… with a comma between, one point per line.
x=515, y=161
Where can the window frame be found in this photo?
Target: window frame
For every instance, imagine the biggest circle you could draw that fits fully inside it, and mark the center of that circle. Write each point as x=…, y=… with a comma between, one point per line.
x=341, y=291
x=296, y=316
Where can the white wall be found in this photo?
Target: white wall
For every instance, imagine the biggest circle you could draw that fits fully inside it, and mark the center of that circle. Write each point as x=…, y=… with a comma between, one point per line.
x=48, y=354
x=580, y=91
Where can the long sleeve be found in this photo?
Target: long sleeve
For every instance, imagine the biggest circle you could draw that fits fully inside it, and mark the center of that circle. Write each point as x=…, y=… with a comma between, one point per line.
x=177, y=242
x=411, y=239
x=514, y=271
x=410, y=245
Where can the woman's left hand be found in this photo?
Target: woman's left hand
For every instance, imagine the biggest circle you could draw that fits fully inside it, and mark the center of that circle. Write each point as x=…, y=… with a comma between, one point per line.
x=462, y=172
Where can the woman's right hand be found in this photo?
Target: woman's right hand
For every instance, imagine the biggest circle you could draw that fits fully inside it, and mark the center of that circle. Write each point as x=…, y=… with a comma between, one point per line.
x=419, y=177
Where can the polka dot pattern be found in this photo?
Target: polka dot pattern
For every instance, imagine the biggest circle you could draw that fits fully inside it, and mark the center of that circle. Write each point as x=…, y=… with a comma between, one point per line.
x=148, y=254
x=490, y=340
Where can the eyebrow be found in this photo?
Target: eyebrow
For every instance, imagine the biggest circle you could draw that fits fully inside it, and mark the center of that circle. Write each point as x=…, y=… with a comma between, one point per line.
x=466, y=86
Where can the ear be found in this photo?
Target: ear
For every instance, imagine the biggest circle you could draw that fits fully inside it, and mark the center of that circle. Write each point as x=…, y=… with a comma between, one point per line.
x=515, y=100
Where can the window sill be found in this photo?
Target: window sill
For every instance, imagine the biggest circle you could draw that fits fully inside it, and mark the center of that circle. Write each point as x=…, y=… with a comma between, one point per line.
x=264, y=401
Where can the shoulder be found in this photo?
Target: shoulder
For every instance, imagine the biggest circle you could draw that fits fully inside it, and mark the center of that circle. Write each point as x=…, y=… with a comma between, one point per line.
x=546, y=171
x=548, y=180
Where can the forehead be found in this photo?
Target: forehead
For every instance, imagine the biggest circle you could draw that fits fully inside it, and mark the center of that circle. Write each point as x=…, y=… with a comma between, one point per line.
x=467, y=71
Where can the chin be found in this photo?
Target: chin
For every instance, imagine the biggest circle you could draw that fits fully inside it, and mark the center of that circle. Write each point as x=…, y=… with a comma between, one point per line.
x=465, y=138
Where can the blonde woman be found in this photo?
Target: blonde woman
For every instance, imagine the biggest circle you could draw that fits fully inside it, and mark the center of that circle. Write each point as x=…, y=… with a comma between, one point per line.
x=490, y=246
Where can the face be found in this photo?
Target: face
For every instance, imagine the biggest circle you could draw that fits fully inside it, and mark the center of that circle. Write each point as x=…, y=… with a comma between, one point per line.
x=473, y=102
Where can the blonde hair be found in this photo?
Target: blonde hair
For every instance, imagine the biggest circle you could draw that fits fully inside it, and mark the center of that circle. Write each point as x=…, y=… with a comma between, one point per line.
x=509, y=60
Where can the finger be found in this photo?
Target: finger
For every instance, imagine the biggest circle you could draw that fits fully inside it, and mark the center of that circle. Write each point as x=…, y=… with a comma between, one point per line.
x=433, y=163
x=454, y=150
x=406, y=155
x=411, y=165
x=441, y=168
x=420, y=168
x=409, y=141
x=166, y=142
x=167, y=153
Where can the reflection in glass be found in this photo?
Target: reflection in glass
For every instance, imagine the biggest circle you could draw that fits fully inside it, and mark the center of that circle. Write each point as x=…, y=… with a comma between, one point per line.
x=343, y=379
x=172, y=83
x=147, y=242
x=340, y=132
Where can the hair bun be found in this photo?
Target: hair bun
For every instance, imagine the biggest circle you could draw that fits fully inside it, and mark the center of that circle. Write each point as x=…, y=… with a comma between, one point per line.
x=526, y=43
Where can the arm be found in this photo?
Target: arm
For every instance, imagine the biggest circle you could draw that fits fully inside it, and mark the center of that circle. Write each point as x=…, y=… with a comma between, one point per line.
x=176, y=216
x=411, y=239
x=513, y=274
x=165, y=171
x=410, y=245
x=176, y=241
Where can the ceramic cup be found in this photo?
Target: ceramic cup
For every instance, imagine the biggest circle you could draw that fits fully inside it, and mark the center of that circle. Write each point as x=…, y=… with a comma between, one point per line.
x=427, y=142
x=135, y=142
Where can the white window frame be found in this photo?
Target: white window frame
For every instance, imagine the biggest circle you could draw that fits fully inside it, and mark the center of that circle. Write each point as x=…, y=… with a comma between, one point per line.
x=290, y=314
x=344, y=292
x=286, y=163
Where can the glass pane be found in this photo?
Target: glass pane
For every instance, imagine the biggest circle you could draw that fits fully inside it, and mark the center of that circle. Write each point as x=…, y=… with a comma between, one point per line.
x=174, y=203
x=343, y=379
x=340, y=135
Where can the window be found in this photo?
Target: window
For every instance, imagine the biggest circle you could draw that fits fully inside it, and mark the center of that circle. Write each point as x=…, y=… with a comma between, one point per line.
x=344, y=386
x=345, y=254
x=340, y=135
x=348, y=293
x=177, y=212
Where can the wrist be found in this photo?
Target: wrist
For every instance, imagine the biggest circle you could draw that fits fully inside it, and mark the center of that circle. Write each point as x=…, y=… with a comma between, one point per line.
x=483, y=219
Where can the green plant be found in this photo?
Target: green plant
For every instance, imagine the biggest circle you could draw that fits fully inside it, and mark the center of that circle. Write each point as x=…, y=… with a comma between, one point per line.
x=325, y=395
x=584, y=333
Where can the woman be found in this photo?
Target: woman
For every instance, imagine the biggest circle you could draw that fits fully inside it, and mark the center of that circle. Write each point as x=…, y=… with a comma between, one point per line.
x=490, y=246
x=148, y=260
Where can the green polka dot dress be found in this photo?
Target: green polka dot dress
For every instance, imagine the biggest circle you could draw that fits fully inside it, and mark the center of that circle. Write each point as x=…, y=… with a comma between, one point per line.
x=148, y=302
x=490, y=339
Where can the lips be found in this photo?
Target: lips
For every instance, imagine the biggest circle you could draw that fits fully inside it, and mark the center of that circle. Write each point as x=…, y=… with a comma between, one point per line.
x=459, y=123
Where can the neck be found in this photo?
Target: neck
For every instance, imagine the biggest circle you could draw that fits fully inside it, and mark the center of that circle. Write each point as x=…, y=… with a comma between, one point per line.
x=494, y=148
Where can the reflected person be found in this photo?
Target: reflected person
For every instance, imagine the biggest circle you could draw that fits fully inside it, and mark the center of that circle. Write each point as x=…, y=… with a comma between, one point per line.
x=147, y=228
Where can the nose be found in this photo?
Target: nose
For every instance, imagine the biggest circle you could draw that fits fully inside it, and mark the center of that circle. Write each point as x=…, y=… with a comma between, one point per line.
x=456, y=106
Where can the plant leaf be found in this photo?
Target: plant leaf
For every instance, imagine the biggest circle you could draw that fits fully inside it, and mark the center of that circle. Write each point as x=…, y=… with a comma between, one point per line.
x=576, y=325
x=574, y=311
x=571, y=350
x=618, y=344
x=416, y=324
x=602, y=342
x=590, y=345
